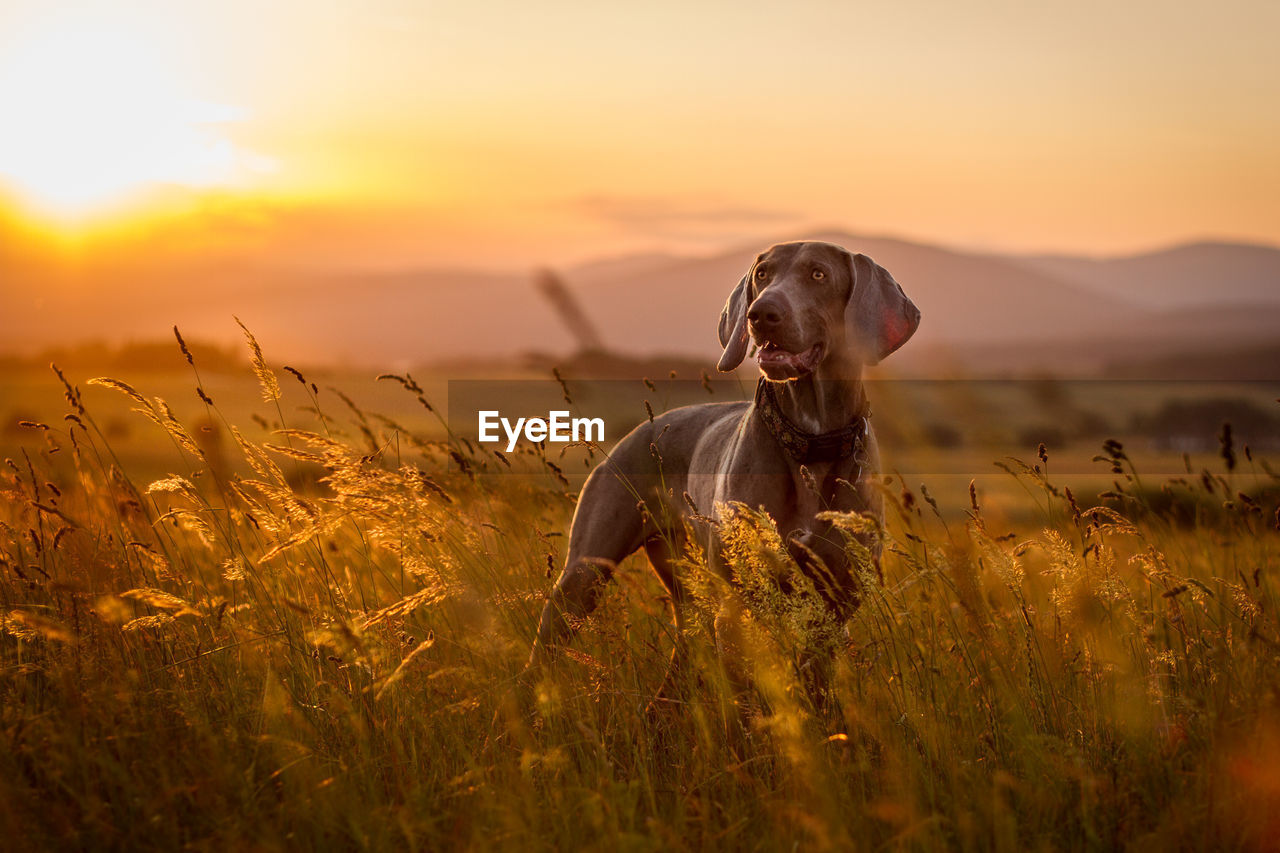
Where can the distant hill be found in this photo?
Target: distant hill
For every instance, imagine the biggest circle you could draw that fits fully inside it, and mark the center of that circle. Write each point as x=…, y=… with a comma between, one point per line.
x=991, y=312
x=1183, y=276
x=980, y=311
x=964, y=297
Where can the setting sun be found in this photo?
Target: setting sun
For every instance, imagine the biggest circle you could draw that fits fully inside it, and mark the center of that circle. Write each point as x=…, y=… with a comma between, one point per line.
x=93, y=119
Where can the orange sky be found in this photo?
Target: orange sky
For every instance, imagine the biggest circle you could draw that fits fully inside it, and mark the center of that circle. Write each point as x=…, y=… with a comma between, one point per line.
x=387, y=132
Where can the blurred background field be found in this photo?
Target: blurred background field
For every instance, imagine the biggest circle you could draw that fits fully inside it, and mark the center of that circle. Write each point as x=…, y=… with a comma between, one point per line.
x=945, y=432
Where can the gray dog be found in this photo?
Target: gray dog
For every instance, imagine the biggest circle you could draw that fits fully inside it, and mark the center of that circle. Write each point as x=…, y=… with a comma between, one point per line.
x=817, y=314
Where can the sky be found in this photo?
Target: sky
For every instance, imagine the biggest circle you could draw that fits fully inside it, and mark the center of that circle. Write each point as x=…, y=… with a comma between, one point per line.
x=386, y=133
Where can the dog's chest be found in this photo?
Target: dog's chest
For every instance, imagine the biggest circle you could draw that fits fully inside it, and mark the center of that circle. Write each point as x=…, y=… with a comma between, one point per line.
x=757, y=472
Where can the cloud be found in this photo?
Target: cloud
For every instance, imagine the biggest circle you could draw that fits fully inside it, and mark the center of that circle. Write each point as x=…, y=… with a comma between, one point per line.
x=678, y=218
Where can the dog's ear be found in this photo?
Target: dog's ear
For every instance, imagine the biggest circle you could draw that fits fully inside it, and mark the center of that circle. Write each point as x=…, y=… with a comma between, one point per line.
x=733, y=326
x=879, y=317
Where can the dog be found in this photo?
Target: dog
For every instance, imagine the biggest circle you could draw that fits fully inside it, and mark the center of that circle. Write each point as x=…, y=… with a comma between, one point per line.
x=817, y=315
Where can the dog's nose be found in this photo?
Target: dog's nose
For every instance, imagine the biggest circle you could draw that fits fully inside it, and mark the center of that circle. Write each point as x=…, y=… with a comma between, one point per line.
x=764, y=314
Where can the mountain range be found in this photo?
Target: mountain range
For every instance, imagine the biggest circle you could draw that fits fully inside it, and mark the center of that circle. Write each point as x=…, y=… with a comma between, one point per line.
x=1006, y=313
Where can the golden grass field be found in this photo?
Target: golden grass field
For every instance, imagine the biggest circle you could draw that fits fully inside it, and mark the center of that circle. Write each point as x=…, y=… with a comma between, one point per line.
x=307, y=635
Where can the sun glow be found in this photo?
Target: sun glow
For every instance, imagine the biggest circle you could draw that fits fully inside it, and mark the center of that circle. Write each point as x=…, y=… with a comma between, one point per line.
x=93, y=119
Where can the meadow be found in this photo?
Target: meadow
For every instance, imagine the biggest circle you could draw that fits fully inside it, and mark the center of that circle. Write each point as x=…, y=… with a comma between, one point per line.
x=261, y=615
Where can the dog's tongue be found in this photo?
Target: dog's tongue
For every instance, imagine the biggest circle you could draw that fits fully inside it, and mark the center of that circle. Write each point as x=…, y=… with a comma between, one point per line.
x=778, y=357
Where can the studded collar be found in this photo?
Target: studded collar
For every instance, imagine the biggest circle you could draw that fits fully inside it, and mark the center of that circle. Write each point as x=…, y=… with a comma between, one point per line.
x=808, y=447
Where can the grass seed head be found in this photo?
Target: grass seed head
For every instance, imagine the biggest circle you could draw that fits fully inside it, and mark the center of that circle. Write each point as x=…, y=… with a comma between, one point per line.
x=267, y=379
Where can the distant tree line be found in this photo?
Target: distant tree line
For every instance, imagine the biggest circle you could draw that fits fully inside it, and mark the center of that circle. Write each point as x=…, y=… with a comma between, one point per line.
x=133, y=356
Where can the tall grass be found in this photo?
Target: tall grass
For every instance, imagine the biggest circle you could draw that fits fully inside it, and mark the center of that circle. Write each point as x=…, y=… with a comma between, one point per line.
x=314, y=640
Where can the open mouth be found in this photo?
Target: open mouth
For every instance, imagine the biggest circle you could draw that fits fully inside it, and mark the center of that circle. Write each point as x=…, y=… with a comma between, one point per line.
x=774, y=359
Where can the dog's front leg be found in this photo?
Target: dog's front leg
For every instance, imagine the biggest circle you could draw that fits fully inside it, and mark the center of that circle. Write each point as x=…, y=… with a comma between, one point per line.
x=572, y=600
x=607, y=528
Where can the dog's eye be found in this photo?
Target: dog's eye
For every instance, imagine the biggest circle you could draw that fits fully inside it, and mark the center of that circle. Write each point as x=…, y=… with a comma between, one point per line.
x=819, y=275
x=761, y=275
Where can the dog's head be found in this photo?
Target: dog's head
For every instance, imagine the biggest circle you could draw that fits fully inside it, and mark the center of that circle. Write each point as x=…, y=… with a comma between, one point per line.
x=815, y=305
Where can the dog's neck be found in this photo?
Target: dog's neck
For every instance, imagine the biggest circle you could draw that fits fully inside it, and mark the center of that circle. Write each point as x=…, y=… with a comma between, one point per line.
x=819, y=405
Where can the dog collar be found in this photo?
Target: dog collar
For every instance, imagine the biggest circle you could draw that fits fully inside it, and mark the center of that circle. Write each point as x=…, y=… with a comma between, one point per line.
x=808, y=447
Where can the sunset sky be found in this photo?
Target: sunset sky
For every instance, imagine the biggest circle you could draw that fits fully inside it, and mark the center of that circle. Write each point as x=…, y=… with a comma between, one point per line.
x=389, y=132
